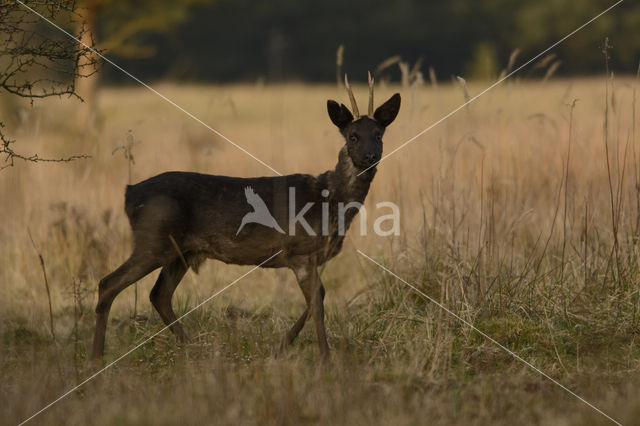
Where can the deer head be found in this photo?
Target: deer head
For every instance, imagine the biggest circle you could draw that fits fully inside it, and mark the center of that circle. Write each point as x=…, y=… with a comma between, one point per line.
x=363, y=135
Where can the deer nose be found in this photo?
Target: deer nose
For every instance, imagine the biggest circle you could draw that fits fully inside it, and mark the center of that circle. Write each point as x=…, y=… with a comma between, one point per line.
x=371, y=158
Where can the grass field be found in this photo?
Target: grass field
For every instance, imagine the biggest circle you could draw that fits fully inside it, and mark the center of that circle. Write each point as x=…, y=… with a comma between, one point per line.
x=520, y=213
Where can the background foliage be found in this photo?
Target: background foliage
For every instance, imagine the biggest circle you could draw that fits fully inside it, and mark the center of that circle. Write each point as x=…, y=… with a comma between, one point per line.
x=230, y=40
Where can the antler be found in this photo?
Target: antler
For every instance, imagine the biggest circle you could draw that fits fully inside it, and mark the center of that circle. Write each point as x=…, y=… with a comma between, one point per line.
x=370, y=94
x=354, y=106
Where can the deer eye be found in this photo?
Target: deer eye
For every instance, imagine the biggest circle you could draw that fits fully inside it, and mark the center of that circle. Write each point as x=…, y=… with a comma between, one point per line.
x=379, y=137
x=353, y=137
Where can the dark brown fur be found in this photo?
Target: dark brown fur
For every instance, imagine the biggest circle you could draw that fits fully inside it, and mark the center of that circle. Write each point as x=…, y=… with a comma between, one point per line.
x=201, y=214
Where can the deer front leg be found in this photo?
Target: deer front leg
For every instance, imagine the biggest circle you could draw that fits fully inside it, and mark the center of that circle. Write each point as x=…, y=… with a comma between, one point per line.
x=295, y=330
x=291, y=335
x=297, y=327
x=313, y=290
x=317, y=311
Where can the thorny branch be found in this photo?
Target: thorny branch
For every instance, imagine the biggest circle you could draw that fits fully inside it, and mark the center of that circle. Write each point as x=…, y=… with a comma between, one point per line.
x=9, y=155
x=38, y=63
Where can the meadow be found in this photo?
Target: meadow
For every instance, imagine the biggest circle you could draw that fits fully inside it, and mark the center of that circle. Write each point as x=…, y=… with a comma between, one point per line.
x=520, y=214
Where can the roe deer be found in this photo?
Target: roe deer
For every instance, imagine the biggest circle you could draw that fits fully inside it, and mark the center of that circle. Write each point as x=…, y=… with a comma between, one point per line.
x=180, y=218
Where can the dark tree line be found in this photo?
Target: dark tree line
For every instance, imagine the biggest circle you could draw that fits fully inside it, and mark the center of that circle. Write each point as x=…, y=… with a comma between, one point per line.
x=231, y=40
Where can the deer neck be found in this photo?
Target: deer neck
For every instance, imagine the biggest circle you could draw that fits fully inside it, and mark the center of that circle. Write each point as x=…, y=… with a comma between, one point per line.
x=346, y=183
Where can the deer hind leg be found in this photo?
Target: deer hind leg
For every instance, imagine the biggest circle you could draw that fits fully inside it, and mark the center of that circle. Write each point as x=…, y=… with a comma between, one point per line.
x=110, y=286
x=162, y=293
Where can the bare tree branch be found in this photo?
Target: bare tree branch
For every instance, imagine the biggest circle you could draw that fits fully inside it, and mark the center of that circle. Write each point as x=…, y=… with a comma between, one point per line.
x=36, y=62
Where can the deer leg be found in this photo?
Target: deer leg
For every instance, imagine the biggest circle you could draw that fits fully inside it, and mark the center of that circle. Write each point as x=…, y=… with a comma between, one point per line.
x=302, y=278
x=311, y=286
x=316, y=309
x=110, y=286
x=295, y=330
x=162, y=293
x=297, y=327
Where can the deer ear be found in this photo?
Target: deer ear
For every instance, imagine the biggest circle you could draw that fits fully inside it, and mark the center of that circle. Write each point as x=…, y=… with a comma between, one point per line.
x=339, y=114
x=388, y=111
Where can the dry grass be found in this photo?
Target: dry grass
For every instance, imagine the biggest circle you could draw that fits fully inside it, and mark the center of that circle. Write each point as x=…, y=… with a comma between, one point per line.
x=536, y=247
